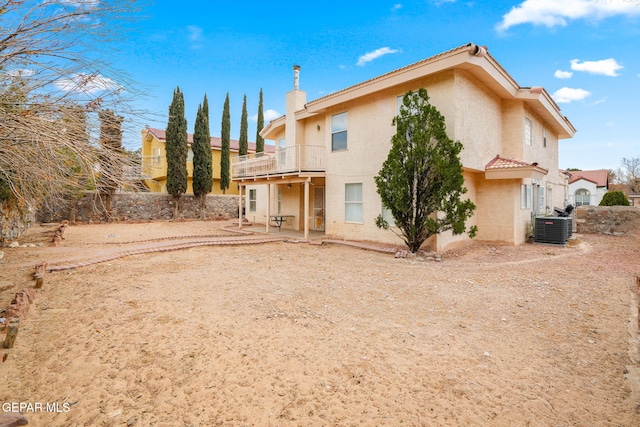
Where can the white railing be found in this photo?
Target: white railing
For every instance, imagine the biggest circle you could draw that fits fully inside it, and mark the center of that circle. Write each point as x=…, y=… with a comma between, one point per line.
x=296, y=158
x=152, y=166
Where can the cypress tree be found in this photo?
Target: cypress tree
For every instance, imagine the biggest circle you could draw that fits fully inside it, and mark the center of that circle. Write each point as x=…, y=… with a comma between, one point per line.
x=226, y=146
x=260, y=125
x=176, y=148
x=244, y=143
x=202, y=170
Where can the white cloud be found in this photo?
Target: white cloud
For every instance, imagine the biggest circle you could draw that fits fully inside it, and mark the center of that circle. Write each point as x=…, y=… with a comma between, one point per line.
x=80, y=3
x=370, y=56
x=268, y=116
x=559, y=74
x=195, y=33
x=87, y=83
x=552, y=13
x=566, y=95
x=396, y=6
x=606, y=67
x=23, y=72
x=610, y=124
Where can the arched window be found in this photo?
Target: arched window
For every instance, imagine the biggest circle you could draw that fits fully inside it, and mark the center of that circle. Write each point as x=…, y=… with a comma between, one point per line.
x=583, y=197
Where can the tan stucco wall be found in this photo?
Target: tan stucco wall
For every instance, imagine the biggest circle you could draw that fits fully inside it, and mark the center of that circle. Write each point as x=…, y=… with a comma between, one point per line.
x=486, y=124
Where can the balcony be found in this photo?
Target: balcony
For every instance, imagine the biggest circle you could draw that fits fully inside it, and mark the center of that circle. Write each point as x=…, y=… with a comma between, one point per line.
x=291, y=160
x=153, y=167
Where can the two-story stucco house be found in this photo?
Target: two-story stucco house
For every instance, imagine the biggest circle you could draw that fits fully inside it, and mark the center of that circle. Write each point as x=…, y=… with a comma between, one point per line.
x=154, y=161
x=328, y=150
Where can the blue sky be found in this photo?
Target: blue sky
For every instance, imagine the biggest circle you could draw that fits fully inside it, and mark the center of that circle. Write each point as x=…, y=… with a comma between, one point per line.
x=586, y=53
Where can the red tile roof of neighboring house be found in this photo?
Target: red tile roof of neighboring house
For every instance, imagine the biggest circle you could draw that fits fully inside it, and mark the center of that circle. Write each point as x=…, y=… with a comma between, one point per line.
x=599, y=177
x=215, y=141
x=507, y=163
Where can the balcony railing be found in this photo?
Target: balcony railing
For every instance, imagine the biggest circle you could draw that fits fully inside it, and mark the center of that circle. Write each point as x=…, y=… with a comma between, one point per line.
x=153, y=167
x=296, y=158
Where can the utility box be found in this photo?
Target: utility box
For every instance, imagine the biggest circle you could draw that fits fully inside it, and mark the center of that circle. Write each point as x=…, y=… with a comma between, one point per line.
x=552, y=229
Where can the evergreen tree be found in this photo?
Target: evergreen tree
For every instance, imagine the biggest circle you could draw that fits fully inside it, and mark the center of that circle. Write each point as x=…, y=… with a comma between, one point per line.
x=226, y=146
x=260, y=125
x=614, y=198
x=421, y=181
x=202, y=171
x=176, y=148
x=244, y=143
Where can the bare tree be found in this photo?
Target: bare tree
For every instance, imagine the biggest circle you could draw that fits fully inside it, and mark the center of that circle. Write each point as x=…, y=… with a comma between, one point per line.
x=52, y=89
x=629, y=174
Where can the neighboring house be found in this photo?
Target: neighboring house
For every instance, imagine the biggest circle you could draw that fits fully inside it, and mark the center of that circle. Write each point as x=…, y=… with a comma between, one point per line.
x=634, y=199
x=587, y=187
x=329, y=150
x=154, y=161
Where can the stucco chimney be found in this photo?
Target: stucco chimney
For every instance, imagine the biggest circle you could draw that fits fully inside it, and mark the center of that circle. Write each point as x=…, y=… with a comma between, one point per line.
x=295, y=101
x=296, y=77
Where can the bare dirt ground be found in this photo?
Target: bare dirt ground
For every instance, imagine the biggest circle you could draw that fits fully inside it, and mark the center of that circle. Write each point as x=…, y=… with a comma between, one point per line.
x=285, y=334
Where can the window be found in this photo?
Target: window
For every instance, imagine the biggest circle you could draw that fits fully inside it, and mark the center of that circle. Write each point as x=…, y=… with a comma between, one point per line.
x=387, y=216
x=527, y=131
x=279, y=200
x=583, y=197
x=549, y=200
x=544, y=137
x=252, y=200
x=282, y=152
x=525, y=196
x=353, y=203
x=339, y=131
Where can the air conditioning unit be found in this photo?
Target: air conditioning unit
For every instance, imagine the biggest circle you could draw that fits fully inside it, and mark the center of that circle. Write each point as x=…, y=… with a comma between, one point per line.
x=553, y=229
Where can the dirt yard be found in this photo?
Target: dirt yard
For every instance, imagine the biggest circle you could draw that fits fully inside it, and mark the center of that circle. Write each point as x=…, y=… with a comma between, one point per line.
x=292, y=334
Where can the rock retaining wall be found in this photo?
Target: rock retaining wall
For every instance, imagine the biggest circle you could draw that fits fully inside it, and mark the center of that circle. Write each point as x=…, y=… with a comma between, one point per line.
x=139, y=207
x=616, y=220
x=13, y=223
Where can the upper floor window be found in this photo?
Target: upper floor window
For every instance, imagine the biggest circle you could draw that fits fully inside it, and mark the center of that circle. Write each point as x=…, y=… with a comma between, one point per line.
x=339, y=131
x=527, y=131
x=544, y=137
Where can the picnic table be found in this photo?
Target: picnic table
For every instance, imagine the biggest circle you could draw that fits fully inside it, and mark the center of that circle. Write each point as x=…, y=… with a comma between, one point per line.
x=279, y=219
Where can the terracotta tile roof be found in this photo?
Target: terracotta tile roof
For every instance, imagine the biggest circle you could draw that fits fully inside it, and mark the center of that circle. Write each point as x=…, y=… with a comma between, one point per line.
x=507, y=163
x=599, y=177
x=216, y=142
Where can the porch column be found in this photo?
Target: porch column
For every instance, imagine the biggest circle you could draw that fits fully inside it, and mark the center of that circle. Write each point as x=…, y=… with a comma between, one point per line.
x=239, y=205
x=306, y=209
x=268, y=207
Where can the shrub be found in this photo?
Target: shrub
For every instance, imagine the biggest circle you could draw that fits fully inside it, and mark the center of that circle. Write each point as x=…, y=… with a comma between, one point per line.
x=614, y=198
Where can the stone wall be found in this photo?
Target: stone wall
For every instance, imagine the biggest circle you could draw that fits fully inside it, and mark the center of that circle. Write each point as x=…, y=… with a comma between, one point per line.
x=13, y=222
x=139, y=207
x=616, y=220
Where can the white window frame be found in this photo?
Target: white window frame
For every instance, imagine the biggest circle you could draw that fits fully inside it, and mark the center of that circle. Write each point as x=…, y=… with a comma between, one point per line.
x=387, y=216
x=337, y=128
x=580, y=194
x=252, y=199
x=525, y=196
x=349, y=205
x=527, y=131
